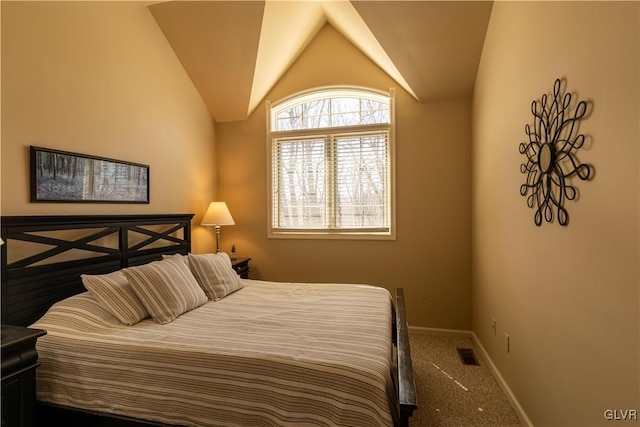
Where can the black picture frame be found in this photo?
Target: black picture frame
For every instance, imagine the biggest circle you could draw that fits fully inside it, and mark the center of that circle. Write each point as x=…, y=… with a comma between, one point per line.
x=65, y=177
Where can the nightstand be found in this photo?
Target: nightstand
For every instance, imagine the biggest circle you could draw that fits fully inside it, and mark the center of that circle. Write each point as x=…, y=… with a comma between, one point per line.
x=241, y=266
x=19, y=363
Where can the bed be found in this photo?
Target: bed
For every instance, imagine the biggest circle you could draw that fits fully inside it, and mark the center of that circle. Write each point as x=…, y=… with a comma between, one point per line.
x=259, y=354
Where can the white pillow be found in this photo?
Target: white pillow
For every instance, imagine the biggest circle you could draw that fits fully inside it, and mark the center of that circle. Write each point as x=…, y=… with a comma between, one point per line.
x=215, y=274
x=166, y=288
x=116, y=295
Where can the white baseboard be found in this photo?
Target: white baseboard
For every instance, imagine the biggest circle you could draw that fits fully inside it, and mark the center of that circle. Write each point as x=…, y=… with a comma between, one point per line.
x=524, y=419
x=522, y=415
x=440, y=332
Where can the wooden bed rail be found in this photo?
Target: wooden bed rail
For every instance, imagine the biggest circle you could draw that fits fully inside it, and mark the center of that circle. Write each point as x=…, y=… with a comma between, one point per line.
x=406, y=385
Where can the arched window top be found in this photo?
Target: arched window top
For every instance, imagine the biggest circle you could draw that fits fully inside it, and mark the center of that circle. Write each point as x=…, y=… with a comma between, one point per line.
x=331, y=107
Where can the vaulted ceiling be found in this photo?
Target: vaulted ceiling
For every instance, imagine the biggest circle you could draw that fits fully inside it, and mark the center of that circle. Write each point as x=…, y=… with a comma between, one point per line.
x=235, y=51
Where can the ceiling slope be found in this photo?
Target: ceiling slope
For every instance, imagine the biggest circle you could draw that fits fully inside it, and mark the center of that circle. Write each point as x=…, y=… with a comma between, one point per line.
x=217, y=43
x=436, y=45
x=235, y=51
x=287, y=28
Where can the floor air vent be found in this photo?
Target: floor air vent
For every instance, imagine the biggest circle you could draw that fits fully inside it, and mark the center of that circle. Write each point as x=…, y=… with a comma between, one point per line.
x=467, y=356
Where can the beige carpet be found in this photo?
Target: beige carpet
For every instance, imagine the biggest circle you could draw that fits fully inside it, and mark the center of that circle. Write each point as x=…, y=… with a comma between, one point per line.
x=451, y=393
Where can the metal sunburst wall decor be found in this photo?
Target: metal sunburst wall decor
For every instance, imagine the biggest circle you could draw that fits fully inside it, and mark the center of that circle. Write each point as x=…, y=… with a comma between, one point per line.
x=551, y=156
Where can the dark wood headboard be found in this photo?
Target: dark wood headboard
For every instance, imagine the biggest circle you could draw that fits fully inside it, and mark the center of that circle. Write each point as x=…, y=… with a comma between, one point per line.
x=61, y=248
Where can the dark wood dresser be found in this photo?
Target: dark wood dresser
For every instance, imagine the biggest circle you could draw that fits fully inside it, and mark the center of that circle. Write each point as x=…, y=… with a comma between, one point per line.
x=19, y=363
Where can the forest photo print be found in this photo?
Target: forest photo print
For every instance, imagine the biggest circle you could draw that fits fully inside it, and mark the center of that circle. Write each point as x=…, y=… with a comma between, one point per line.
x=59, y=176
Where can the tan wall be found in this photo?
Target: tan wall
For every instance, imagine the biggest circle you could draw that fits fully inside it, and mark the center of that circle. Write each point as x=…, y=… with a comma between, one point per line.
x=567, y=296
x=99, y=78
x=431, y=256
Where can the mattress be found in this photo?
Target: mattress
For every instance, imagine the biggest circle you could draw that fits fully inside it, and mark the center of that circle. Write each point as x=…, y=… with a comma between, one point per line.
x=270, y=354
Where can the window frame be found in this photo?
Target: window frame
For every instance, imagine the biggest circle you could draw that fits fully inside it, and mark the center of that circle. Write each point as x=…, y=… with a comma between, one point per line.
x=330, y=132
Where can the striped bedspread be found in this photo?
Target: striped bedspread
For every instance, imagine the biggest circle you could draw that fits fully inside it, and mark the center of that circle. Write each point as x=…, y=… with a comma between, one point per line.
x=270, y=354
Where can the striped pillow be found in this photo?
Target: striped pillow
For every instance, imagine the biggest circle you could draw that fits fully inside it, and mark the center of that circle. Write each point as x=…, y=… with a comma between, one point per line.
x=180, y=257
x=166, y=288
x=116, y=295
x=215, y=274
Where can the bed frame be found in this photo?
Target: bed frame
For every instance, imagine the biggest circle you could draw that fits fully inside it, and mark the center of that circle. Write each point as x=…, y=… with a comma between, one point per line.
x=104, y=243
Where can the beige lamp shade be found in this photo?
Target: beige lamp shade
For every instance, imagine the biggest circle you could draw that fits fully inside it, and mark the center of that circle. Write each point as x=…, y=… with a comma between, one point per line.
x=217, y=214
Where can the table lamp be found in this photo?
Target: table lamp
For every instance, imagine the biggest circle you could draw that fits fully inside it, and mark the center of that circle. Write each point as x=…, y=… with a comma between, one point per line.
x=217, y=215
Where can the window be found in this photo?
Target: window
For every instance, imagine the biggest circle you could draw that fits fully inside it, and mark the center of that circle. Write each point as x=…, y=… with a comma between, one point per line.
x=331, y=164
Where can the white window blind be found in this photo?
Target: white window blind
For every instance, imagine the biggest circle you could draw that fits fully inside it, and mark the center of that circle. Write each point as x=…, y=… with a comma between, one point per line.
x=331, y=165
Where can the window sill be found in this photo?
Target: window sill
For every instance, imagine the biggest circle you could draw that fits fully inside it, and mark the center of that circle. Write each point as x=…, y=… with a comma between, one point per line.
x=306, y=235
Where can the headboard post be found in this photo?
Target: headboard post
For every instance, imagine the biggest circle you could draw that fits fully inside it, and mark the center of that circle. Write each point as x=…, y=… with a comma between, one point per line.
x=123, y=243
x=3, y=269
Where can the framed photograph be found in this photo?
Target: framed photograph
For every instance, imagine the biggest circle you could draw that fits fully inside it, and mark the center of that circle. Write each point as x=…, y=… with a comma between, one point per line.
x=60, y=176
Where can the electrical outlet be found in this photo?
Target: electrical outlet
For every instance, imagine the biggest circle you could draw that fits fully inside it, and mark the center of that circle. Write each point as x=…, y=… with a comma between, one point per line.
x=506, y=342
x=494, y=326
